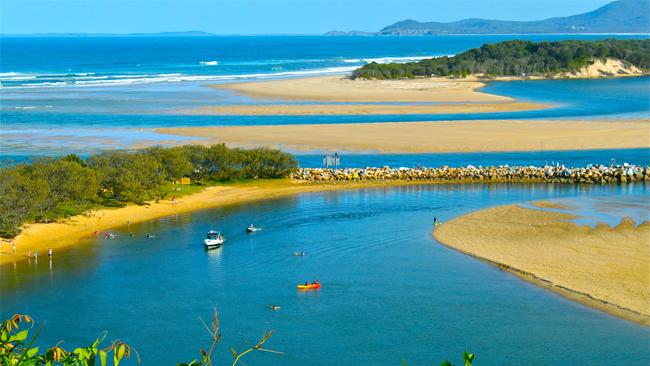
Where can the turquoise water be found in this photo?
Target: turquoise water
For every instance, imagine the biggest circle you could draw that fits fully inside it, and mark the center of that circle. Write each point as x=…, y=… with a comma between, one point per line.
x=61, y=95
x=608, y=210
x=574, y=158
x=390, y=292
x=77, y=62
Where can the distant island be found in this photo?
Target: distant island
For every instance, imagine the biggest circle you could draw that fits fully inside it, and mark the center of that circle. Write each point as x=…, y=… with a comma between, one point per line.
x=611, y=57
x=622, y=16
x=159, y=34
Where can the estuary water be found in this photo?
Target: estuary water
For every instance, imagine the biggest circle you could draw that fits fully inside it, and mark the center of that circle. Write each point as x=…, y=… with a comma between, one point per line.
x=390, y=291
x=61, y=95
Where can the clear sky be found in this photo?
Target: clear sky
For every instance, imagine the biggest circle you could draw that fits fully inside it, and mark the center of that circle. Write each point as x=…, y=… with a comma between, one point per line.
x=262, y=16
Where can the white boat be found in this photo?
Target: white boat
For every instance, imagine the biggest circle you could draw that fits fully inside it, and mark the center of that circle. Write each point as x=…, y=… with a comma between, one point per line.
x=213, y=239
x=252, y=229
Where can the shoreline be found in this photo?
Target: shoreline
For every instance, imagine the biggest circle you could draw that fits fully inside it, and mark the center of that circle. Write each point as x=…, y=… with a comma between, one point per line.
x=341, y=88
x=360, y=109
x=73, y=231
x=430, y=137
x=512, y=250
x=38, y=237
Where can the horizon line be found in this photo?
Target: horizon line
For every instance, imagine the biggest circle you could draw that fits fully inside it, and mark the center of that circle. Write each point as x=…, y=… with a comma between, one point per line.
x=199, y=34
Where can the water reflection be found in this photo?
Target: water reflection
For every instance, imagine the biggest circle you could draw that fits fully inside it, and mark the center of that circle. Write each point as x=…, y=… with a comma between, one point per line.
x=373, y=251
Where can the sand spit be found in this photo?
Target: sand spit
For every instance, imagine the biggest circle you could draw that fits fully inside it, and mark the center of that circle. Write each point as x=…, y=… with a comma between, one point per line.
x=604, y=267
x=423, y=137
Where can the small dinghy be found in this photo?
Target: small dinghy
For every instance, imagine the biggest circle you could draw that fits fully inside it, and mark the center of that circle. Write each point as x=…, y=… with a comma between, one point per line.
x=251, y=228
x=213, y=239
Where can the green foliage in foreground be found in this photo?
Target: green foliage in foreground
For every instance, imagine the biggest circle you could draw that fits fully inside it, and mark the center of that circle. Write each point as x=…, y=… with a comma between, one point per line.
x=514, y=58
x=17, y=349
x=49, y=189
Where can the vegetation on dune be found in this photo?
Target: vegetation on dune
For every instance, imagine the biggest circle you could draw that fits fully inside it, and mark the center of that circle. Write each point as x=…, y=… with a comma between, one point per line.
x=50, y=189
x=516, y=58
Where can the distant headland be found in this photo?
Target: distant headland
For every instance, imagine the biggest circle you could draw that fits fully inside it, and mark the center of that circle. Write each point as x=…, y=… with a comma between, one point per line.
x=622, y=16
x=525, y=59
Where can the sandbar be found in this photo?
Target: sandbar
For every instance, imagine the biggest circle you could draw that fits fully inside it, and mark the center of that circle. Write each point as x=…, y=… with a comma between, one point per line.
x=604, y=267
x=344, y=89
x=430, y=137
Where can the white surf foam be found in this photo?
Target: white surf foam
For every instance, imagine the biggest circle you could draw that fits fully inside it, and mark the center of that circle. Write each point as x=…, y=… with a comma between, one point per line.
x=390, y=59
x=208, y=63
x=107, y=80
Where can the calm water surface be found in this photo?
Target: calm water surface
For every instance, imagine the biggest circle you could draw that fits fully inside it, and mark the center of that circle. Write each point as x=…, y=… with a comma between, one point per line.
x=390, y=291
x=61, y=95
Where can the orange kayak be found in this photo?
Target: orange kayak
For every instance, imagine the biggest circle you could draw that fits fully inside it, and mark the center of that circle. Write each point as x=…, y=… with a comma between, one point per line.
x=308, y=287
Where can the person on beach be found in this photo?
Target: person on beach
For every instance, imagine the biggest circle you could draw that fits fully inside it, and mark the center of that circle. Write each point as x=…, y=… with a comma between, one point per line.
x=13, y=248
x=29, y=253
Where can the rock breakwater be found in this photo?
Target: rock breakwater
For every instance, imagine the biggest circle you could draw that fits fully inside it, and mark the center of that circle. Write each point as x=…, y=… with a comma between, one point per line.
x=552, y=174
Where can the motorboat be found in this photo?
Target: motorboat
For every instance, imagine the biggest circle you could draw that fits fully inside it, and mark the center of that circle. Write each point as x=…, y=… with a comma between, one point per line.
x=213, y=239
x=251, y=228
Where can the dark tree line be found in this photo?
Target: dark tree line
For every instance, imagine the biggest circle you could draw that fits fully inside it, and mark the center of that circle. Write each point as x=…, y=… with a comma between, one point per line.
x=515, y=58
x=48, y=188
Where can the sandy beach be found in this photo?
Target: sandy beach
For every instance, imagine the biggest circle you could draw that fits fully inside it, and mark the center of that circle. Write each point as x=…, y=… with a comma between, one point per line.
x=421, y=137
x=604, y=267
x=343, y=89
x=40, y=237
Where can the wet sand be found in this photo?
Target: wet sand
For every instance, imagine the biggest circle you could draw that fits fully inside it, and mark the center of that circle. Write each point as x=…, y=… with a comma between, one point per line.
x=343, y=89
x=604, y=267
x=429, y=137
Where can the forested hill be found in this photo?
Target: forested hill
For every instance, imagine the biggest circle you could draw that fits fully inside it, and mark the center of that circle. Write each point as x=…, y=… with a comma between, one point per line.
x=623, y=16
x=515, y=58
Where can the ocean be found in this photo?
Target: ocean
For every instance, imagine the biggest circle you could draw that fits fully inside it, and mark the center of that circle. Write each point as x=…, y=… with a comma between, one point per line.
x=81, y=95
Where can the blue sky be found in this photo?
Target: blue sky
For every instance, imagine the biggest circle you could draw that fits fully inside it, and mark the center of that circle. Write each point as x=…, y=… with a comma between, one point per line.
x=262, y=16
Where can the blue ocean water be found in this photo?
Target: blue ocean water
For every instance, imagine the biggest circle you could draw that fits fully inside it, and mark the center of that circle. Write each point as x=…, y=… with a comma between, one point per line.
x=62, y=95
x=390, y=291
x=42, y=62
